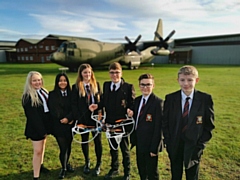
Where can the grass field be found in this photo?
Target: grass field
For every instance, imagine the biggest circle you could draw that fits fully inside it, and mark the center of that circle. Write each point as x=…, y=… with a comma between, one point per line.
x=221, y=159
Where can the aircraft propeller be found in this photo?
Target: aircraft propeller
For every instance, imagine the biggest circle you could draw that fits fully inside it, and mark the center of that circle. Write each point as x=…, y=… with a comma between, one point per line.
x=132, y=45
x=163, y=43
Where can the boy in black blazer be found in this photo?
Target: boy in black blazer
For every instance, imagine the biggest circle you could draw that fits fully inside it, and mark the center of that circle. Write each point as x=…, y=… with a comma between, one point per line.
x=147, y=135
x=187, y=124
x=118, y=95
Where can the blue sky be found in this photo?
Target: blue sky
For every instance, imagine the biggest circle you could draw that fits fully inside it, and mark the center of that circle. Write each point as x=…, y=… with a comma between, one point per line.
x=112, y=20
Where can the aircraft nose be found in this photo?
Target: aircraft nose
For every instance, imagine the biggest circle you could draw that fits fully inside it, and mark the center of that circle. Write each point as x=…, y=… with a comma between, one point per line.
x=56, y=56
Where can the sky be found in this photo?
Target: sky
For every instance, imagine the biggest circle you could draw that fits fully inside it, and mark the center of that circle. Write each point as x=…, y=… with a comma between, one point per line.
x=112, y=20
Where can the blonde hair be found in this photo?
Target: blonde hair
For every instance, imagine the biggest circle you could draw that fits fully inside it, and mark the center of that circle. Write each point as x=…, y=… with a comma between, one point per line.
x=188, y=70
x=80, y=84
x=30, y=92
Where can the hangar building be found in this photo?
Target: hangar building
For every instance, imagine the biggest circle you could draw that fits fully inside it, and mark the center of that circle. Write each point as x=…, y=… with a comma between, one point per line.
x=221, y=49
x=7, y=51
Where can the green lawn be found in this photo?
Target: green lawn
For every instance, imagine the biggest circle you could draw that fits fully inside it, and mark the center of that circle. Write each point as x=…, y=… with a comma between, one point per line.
x=221, y=159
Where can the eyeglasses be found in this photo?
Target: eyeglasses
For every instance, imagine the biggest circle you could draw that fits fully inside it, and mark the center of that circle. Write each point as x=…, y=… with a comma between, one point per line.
x=142, y=85
x=114, y=72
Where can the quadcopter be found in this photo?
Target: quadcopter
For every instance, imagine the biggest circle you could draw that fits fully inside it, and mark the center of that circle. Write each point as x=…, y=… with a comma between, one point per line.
x=114, y=132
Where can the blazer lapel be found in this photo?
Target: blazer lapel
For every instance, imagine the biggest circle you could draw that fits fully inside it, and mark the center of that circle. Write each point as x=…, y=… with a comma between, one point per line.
x=194, y=108
x=178, y=112
x=137, y=101
x=148, y=105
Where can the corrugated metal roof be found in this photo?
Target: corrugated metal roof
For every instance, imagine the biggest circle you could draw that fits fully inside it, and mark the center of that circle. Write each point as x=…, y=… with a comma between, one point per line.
x=208, y=38
x=7, y=43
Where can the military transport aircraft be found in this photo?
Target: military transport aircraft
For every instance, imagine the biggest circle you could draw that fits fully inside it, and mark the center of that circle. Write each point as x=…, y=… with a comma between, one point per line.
x=86, y=50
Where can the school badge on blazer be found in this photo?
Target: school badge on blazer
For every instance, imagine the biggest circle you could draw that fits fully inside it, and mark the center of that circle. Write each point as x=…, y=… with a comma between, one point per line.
x=123, y=103
x=199, y=120
x=149, y=117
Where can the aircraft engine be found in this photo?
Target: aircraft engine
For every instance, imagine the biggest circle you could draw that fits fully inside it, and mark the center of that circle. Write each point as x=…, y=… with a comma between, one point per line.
x=162, y=48
x=160, y=52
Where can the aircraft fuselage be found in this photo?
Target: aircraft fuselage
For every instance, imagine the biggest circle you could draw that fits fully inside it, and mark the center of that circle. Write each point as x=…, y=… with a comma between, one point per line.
x=73, y=53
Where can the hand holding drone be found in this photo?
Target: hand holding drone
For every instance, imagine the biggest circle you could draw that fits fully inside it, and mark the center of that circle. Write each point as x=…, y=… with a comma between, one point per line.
x=114, y=132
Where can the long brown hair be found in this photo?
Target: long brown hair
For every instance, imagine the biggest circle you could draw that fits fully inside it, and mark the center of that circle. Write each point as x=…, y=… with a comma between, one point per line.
x=79, y=81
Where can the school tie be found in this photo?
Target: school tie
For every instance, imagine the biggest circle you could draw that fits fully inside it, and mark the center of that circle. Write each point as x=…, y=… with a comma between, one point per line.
x=88, y=94
x=64, y=94
x=140, y=112
x=114, y=88
x=143, y=105
x=185, y=115
x=44, y=96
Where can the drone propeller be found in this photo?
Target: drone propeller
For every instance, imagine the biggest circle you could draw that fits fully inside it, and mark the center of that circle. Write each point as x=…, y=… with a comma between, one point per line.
x=132, y=45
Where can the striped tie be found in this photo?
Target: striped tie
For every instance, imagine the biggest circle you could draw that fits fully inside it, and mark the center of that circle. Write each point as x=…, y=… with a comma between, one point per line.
x=185, y=115
x=143, y=104
x=89, y=95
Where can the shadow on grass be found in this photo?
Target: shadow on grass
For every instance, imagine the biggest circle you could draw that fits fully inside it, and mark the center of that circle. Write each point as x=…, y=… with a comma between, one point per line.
x=53, y=175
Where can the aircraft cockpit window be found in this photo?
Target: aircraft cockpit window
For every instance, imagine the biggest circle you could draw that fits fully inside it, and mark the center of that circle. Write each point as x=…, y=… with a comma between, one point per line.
x=62, y=48
x=72, y=45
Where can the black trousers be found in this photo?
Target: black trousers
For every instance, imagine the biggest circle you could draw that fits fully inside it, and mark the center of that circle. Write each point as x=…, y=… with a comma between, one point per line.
x=147, y=166
x=97, y=143
x=177, y=166
x=124, y=146
x=64, y=144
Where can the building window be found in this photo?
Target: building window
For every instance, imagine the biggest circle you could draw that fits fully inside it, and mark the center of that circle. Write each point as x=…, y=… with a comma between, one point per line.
x=21, y=49
x=31, y=58
x=48, y=58
x=52, y=47
x=26, y=49
x=47, y=48
x=30, y=47
x=35, y=47
x=26, y=58
x=40, y=46
x=19, y=58
x=17, y=49
x=22, y=58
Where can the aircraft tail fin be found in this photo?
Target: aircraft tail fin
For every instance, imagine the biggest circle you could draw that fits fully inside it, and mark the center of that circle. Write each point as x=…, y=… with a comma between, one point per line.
x=159, y=29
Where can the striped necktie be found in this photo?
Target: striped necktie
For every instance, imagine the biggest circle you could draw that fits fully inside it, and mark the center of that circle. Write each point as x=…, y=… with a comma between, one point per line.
x=185, y=115
x=89, y=95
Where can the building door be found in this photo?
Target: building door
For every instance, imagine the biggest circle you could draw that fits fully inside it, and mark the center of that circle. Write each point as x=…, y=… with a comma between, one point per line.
x=42, y=59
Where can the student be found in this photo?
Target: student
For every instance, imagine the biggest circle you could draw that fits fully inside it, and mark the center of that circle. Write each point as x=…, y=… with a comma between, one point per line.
x=147, y=135
x=59, y=103
x=187, y=124
x=117, y=97
x=85, y=92
x=34, y=102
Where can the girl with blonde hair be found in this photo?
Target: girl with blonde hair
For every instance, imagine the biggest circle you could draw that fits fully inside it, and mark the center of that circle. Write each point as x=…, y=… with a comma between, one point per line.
x=87, y=91
x=34, y=102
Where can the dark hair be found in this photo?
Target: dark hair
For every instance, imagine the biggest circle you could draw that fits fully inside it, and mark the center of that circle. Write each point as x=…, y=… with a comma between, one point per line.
x=56, y=87
x=145, y=76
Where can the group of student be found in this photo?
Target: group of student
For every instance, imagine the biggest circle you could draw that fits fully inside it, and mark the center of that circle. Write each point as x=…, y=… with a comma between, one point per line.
x=182, y=123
